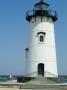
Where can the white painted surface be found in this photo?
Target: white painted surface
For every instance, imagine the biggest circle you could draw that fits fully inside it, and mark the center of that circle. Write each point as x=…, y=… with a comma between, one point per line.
x=41, y=52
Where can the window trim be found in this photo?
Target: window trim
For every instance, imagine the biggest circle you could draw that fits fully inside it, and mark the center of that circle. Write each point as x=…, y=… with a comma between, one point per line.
x=41, y=33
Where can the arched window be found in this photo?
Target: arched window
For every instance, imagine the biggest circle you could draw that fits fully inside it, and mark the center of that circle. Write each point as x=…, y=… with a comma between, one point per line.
x=41, y=36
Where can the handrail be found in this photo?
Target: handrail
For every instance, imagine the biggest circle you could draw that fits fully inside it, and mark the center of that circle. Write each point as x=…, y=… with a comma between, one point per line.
x=30, y=12
x=31, y=73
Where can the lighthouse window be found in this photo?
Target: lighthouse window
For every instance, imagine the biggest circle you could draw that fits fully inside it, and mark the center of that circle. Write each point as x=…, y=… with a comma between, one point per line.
x=41, y=38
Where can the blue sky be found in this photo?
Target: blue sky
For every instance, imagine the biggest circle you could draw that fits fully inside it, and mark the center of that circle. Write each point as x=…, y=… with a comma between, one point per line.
x=14, y=34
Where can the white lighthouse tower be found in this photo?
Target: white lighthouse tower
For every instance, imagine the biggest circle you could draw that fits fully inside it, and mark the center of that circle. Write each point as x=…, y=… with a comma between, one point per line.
x=41, y=51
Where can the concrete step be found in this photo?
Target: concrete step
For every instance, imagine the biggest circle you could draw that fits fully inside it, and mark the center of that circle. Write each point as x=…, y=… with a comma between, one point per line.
x=41, y=80
x=41, y=83
x=40, y=87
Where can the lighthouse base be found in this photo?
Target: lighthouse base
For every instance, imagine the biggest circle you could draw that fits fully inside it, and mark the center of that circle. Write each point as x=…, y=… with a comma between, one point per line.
x=35, y=84
x=46, y=69
x=41, y=83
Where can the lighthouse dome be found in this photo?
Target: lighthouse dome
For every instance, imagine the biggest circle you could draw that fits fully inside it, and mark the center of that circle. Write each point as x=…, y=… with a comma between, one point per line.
x=41, y=6
x=41, y=9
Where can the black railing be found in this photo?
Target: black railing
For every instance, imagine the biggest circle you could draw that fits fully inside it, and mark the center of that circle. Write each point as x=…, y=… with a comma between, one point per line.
x=48, y=13
x=53, y=13
x=29, y=13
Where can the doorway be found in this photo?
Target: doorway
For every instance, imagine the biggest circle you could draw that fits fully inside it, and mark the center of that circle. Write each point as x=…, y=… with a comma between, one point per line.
x=41, y=69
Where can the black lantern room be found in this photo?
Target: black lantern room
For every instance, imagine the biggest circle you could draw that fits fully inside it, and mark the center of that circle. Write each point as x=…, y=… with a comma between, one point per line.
x=41, y=9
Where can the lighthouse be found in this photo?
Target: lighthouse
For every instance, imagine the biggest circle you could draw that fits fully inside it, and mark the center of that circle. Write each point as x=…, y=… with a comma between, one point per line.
x=41, y=52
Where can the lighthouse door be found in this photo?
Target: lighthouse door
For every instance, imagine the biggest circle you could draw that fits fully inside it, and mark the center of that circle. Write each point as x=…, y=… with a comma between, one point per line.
x=41, y=69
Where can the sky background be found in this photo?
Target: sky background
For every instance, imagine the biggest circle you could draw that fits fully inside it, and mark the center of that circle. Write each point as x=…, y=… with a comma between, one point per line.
x=14, y=31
